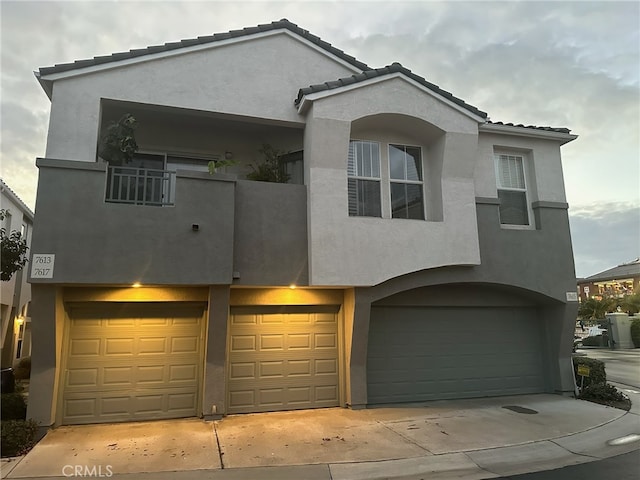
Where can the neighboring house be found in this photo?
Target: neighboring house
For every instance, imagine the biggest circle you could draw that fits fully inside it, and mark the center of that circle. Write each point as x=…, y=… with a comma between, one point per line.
x=419, y=251
x=615, y=282
x=15, y=293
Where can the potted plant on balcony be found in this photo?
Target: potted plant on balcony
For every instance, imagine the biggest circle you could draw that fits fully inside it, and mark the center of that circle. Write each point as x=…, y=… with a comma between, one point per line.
x=271, y=169
x=118, y=143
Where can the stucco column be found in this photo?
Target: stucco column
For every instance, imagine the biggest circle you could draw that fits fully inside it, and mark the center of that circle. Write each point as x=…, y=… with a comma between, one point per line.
x=359, y=342
x=620, y=330
x=46, y=338
x=215, y=388
x=560, y=327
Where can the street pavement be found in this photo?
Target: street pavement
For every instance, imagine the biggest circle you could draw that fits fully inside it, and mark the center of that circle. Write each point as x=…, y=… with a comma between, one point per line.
x=465, y=439
x=622, y=366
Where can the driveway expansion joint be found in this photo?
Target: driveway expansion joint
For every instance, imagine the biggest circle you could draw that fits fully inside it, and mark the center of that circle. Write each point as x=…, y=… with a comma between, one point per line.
x=405, y=437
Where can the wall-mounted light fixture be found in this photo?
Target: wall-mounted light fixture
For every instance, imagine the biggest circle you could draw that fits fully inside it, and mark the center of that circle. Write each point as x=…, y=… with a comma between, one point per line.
x=136, y=285
x=19, y=319
x=195, y=227
x=228, y=155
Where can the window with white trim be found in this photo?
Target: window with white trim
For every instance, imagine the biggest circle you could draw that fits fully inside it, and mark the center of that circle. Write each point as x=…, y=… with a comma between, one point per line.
x=512, y=189
x=405, y=172
x=363, y=171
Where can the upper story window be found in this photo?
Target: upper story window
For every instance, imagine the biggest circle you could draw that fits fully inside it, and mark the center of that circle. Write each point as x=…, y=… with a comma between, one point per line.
x=405, y=172
x=512, y=189
x=363, y=172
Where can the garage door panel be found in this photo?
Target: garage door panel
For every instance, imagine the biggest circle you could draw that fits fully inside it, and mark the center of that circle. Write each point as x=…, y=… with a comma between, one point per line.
x=282, y=361
x=131, y=368
x=428, y=353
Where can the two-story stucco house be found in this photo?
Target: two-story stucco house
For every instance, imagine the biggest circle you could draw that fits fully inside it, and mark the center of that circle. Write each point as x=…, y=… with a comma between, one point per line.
x=418, y=251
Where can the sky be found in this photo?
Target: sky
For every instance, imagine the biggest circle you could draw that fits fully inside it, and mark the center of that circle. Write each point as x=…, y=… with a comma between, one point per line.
x=559, y=64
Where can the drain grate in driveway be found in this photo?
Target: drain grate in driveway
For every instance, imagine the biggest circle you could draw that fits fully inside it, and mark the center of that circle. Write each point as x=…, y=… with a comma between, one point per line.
x=518, y=409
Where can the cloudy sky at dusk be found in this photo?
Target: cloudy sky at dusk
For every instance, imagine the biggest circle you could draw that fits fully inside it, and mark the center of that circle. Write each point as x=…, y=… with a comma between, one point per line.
x=560, y=64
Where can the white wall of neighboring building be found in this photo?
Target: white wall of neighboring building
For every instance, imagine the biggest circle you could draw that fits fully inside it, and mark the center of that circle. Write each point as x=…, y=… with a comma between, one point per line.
x=15, y=293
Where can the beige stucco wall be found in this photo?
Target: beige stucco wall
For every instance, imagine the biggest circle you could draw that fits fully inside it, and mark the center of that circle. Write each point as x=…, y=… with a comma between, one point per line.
x=244, y=77
x=341, y=250
x=544, y=172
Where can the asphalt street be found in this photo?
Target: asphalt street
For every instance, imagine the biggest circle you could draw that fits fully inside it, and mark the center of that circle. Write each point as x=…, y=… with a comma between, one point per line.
x=622, y=366
x=622, y=467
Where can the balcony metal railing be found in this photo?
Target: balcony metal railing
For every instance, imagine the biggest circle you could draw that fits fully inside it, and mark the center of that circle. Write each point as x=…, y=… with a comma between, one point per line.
x=140, y=186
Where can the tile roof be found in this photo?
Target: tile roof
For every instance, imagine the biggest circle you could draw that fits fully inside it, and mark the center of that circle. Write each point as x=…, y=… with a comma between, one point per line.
x=626, y=270
x=367, y=72
x=216, y=37
x=381, y=72
x=547, y=129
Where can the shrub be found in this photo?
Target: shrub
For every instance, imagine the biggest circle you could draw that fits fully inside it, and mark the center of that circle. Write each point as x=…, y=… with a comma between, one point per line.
x=22, y=369
x=603, y=392
x=13, y=407
x=18, y=437
x=597, y=373
x=635, y=332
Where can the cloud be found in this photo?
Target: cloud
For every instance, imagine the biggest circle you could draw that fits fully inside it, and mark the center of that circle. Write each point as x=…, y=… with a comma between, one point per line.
x=570, y=64
x=604, y=235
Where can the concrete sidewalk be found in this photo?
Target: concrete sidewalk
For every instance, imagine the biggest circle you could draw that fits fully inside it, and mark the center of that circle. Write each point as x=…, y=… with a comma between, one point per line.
x=472, y=439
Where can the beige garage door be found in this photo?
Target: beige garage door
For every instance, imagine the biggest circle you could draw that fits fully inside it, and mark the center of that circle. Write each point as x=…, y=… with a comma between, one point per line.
x=131, y=362
x=282, y=361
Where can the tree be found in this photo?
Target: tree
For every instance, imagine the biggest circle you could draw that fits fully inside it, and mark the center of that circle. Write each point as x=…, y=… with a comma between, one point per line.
x=14, y=251
x=631, y=303
x=595, y=309
x=271, y=169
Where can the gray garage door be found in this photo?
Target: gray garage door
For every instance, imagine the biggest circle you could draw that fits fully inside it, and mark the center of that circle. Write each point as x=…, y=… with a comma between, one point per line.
x=128, y=362
x=282, y=361
x=429, y=353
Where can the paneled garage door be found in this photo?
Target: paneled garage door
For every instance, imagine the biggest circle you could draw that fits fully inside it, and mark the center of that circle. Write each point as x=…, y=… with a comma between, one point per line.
x=132, y=362
x=282, y=361
x=429, y=353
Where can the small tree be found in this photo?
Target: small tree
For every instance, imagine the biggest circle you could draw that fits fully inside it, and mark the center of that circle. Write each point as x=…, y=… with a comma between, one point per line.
x=118, y=143
x=14, y=251
x=271, y=169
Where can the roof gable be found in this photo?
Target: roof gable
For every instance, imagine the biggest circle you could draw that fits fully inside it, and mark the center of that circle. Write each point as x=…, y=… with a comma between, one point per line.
x=204, y=40
x=394, y=68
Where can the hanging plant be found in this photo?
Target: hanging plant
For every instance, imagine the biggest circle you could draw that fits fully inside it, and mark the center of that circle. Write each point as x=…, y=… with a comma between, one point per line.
x=118, y=143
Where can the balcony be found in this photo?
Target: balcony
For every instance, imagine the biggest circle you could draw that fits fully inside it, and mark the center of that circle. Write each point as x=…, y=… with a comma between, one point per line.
x=218, y=229
x=140, y=186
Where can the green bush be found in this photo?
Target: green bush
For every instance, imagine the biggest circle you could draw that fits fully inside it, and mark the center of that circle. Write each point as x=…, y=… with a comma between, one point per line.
x=591, y=341
x=13, y=407
x=22, y=369
x=597, y=373
x=18, y=437
x=603, y=392
x=635, y=332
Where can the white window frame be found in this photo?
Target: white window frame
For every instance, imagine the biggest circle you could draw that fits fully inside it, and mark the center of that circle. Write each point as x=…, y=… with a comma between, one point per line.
x=352, y=174
x=406, y=181
x=525, y=189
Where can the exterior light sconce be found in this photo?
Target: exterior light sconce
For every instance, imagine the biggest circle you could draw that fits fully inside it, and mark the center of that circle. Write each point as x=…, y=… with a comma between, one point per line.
x=228, y=155
x=136, y=285
x=195, y=227
x=19, y=319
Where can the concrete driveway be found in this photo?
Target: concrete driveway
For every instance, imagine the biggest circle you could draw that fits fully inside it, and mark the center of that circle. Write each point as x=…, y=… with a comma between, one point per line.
x=420, y=436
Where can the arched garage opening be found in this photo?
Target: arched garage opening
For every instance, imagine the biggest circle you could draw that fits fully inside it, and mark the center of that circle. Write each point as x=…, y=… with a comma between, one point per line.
x=456, y=341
